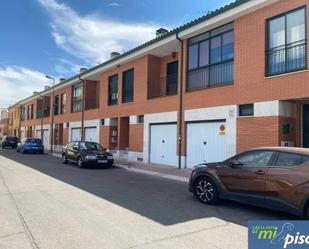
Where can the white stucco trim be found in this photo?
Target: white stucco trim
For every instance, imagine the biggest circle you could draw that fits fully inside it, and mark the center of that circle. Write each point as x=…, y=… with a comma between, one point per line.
x=110, y=122
x=229, y=113
x=274, y=108
x=154, y=118
x=133, y=120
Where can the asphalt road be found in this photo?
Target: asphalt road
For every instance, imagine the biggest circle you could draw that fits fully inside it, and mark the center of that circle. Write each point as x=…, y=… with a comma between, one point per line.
x=45, y=204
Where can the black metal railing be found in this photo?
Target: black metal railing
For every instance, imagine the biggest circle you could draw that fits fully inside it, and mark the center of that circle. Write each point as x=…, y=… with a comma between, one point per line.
x=288, y=58
x=165, y=86
x=210, y=76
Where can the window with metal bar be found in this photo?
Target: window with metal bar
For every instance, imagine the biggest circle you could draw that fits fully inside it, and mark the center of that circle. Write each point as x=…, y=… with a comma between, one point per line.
x=77, y=97
x=113, y=90
x=211, y=58
x=128, y=86
x=286, y=43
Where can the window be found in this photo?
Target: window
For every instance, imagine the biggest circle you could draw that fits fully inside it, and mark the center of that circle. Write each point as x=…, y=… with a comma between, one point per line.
x=102, y=121
x=113, y=90
x=63, y=103
x=255, y=158
x=56, y=105
x=289, y=159
x=286, y=43
x=140, y=119
x=211, y=58
x=246, y=110
x=127, y=86
x=77, y=97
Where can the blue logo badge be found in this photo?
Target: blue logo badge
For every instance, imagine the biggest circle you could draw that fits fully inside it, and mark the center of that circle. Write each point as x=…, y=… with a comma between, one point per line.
x=278, y=234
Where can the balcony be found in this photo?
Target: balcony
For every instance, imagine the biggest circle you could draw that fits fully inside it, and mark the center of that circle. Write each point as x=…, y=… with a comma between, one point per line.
x=164, y=86
x=285, y=59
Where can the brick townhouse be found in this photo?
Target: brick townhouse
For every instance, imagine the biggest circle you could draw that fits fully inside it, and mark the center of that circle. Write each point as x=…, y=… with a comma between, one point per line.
x=232, y=80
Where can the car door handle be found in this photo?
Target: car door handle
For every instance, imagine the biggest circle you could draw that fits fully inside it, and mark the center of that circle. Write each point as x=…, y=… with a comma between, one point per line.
x=260, y=172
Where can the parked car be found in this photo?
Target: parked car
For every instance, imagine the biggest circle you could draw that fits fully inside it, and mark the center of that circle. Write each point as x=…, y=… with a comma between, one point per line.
x=87, y=154
x=33, y=145
x=9, y=141
x=276, y=178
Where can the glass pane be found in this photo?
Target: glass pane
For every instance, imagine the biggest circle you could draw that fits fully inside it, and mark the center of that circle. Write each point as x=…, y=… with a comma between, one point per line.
x=215, y=50
x=288, y=159
x=221, y=73
x=193, y=56
x=255, y=159
x=296, y=26
x=199, y=38
x=277, y=32
x=198, y=79
x=222, y=29
x=204, y=53
x=246, y=110
x=228, y=46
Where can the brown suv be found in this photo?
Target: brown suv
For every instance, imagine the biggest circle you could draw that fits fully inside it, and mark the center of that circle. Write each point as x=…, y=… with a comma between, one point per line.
x=276, y=178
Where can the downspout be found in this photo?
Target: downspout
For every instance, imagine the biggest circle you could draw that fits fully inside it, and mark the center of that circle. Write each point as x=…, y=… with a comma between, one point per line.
x=180, y=102
x=83, y=110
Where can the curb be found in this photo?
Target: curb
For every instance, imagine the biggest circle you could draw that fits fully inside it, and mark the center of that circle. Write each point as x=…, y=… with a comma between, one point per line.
x=147, y=172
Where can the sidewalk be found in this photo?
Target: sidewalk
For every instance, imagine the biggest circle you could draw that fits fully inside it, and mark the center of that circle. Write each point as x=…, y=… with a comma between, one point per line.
x=164, y=171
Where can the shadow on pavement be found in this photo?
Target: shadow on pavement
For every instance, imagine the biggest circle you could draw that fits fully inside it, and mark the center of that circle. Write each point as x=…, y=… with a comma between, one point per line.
x=165, y=201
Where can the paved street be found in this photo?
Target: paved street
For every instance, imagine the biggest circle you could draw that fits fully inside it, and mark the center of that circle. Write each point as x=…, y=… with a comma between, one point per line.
x=44, y=204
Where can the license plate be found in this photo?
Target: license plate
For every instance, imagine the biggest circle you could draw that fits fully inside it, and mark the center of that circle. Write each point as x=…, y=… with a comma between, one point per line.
x=102, y=161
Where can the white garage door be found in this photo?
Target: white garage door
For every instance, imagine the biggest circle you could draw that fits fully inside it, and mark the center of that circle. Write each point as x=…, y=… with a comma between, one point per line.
x=163, y=144
x=91, y=134
x=46, y=138
x=38, y=134
x=75, y=134
x=205, y=143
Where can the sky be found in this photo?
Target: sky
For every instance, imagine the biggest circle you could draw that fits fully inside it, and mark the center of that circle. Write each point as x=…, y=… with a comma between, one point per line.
x=57, y=37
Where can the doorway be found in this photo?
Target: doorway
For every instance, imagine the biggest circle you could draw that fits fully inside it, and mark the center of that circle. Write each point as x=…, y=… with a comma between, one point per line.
x=306, y=126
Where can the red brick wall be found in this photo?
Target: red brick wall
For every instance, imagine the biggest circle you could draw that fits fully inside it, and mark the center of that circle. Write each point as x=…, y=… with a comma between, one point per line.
x=136, y=137
x=257, y=132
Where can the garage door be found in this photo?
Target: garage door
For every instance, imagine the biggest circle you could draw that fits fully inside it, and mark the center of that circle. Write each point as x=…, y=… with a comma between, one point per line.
x=205, y=143
x=163, y=144
x=46, y=138
x=75, y=134
x=38, y=134
x=91, y=134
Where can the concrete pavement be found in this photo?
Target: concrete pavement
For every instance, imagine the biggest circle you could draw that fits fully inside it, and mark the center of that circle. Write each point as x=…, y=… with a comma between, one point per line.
x=45, y=204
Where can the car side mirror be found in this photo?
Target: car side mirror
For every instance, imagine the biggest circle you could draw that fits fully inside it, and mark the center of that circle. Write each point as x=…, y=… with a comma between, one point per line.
x=235, y=164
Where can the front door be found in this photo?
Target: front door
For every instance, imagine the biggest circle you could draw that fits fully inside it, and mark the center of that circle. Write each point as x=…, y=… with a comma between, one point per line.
x=171, y=78
x=306, y=126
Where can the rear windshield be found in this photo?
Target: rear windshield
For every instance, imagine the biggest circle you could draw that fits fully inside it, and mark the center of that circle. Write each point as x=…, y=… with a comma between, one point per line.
x=11, y=139
x=34, y=141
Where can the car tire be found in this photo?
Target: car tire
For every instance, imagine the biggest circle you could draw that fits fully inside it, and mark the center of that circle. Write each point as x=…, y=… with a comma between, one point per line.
x=80, y=162
x=206, y=190
x=64, y=159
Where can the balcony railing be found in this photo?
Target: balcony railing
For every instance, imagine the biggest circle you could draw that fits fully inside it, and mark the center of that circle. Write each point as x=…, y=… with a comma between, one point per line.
x=289, y=58
x=165, y=86
x=211, y=76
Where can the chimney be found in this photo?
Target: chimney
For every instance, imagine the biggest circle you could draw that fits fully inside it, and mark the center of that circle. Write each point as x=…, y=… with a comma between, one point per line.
x=114, y=55
x=160, y=32
x=62, y=79
x=46, y=87
x=35, y=93
x=82, y=69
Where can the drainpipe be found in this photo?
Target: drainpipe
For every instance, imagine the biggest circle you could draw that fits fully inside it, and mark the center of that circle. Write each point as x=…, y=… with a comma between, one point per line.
x=180, y=101
x=83, y=109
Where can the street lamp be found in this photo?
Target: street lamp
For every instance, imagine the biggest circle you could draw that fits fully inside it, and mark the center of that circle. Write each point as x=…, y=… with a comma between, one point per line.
x=52, y=117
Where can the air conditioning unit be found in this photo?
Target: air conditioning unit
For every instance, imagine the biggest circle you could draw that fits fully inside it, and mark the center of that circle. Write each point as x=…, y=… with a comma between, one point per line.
x=287, y=144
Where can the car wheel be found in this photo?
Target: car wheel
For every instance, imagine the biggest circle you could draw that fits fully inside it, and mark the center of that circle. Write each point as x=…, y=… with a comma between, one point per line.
x=64, y=159
x=206, y=190
x=80, y=162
